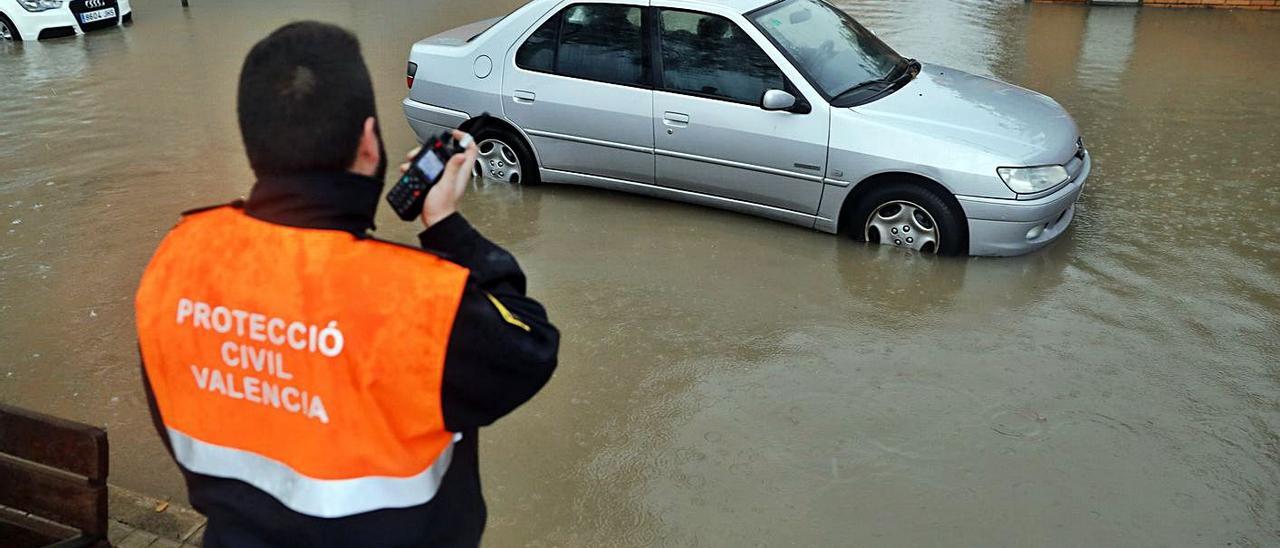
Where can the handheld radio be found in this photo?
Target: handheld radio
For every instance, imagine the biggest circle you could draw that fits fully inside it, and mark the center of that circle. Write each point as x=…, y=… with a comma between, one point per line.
x=410, y=192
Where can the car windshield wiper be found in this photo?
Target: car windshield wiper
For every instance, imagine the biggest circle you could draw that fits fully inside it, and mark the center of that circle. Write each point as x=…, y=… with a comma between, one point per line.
x=888, y=82
x=854, y=89
x=907, y=68
x=902, y=70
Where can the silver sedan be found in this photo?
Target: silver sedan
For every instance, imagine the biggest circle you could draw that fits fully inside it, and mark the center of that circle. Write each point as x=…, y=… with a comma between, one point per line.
x=785, y=109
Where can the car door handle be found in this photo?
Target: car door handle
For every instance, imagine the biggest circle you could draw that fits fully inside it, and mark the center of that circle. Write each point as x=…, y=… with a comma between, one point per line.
x=523, y=97
x=675, y=119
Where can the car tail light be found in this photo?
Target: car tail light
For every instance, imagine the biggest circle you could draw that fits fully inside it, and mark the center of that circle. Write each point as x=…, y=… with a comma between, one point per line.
x=413, y=70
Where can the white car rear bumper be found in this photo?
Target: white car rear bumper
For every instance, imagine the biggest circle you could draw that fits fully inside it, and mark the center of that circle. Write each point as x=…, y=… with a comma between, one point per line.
x=428, y=121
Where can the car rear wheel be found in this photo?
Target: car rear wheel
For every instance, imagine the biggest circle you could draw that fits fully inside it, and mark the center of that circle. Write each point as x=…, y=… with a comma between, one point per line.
x=8, y=31
x=504, y=157
x=909, y=216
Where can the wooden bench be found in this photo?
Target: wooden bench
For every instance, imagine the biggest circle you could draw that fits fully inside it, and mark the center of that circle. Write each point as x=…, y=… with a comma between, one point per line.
x=53, y=481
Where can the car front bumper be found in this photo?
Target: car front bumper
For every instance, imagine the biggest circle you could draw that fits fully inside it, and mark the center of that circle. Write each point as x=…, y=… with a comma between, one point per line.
x=31, y=25
x=999, y=227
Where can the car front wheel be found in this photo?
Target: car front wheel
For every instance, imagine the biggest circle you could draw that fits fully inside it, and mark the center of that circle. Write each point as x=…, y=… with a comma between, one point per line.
x=909, y=216
x=7, y=30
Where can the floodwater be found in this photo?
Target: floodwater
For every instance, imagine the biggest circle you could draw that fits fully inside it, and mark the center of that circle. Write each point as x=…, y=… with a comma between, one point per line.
x=731, y=381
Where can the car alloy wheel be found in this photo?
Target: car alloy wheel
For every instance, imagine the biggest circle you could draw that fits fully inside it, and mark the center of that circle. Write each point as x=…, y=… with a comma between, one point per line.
x=497, y=161
x=900, y=223
x=5, y=32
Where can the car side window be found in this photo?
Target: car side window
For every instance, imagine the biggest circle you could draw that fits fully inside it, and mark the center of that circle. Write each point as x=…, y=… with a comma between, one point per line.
x=539, y=51
x=602, y=42
x=708, y=55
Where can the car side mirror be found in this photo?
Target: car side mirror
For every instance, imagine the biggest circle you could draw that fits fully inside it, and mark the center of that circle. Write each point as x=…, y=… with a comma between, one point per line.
x=776, y=99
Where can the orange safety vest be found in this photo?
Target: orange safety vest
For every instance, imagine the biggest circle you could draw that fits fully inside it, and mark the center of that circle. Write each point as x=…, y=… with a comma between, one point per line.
x=307, y=363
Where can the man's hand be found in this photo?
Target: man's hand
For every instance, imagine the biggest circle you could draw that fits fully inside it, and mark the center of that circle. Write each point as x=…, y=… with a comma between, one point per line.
x=442, y=199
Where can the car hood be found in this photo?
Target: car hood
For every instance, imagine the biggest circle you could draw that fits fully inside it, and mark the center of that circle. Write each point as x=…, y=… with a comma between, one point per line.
x=986, y=114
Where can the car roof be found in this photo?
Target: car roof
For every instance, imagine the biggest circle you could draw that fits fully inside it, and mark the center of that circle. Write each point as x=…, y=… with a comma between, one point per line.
x=740, y=6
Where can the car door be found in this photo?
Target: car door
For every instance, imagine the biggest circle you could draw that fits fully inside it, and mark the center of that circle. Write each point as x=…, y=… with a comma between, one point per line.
x=711, y=134
x=579, y=86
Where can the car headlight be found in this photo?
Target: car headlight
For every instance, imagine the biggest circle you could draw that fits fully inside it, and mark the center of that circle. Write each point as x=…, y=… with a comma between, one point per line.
x=40, y=5
x=1029, y=180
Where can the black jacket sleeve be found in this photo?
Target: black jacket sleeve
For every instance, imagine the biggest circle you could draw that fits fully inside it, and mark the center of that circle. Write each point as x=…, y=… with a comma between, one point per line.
x=502, y=349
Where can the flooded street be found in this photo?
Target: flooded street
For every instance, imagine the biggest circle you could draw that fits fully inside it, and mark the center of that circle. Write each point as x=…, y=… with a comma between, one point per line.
x=732, y=381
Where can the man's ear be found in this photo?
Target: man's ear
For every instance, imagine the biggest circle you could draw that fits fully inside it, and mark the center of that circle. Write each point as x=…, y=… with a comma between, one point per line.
x=367, y=152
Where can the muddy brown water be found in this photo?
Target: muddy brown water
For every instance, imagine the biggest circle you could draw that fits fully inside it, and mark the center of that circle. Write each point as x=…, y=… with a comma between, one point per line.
x=731, y=381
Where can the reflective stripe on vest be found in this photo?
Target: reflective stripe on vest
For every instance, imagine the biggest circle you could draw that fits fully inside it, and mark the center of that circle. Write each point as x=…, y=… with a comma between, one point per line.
x=307, y=363
x=314, y=497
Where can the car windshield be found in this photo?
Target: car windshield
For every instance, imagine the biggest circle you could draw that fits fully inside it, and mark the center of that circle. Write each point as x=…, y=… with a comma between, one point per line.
x=833, y=50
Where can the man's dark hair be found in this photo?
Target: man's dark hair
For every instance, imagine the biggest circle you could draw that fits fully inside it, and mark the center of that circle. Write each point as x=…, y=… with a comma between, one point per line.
x=304, y=95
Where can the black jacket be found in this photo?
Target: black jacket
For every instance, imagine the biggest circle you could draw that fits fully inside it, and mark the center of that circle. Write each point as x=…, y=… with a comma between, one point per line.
x=491, y=367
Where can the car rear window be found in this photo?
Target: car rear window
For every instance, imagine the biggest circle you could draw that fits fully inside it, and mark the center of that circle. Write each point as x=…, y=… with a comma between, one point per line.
x=539, y=51
x=601, y=42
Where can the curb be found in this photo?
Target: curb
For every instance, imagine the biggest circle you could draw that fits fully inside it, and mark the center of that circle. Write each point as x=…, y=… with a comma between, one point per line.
x=140, y=521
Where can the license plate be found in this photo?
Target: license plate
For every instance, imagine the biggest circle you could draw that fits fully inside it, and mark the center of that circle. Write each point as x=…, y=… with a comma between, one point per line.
x=109, y=13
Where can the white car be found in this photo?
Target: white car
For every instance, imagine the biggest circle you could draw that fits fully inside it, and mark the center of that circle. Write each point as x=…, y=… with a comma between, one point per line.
x=40, y=19
x=787, y=109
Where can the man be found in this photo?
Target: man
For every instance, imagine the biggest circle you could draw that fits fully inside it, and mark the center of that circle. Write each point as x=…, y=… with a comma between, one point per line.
x=316, y=386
